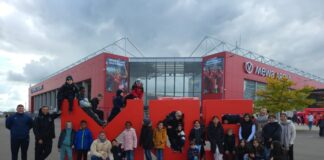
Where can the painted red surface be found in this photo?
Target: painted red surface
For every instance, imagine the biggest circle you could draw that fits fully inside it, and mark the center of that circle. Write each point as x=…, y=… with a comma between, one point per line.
x=235, y=76
x=133, y=112
x=219, y=108
x=316, y=112
x=94, y=69
x=159, y=109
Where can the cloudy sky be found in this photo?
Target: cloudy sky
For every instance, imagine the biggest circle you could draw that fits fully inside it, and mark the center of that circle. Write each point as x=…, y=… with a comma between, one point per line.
x=38, y=37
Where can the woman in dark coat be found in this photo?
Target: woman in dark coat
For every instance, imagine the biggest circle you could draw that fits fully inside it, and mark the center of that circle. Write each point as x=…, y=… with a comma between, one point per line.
x=197, y=134
x=146, y=138
x=320, y=124
x=215, y=135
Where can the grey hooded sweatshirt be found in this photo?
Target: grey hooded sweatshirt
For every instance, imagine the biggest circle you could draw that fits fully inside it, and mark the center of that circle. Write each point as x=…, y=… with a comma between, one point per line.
x=288, y=133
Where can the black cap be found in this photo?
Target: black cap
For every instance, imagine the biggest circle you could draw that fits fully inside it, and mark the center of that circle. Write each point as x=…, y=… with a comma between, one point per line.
x=69, y=78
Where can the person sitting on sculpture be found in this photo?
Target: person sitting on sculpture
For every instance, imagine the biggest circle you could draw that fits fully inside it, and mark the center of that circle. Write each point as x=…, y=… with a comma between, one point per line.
x=87, y=107
x=137, y=91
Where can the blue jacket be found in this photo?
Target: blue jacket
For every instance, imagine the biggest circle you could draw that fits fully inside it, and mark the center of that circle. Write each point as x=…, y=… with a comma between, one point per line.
x=83, y=139
x=19, y=125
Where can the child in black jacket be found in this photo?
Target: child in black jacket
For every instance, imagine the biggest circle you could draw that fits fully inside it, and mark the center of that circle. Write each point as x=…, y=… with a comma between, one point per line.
x=241, y=151
x=68, y=91
x=256, y=151
x=229, y=145
x=180, y=139
x=193, y=151
x=146, y=138
x=117, y=151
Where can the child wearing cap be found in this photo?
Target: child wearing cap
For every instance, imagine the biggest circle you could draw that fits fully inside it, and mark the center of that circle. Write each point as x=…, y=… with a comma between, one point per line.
x=68, y=91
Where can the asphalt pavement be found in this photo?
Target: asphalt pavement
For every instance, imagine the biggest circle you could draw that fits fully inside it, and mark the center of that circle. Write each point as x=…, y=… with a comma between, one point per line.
x=308, y=145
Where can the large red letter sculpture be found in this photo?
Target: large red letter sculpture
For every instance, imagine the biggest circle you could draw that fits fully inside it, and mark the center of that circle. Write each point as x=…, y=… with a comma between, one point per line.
x=133, y=112
x=220, y=107
x=159, y=109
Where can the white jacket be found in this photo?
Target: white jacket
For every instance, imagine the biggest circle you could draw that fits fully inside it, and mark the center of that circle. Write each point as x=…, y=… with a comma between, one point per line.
x=288, y=133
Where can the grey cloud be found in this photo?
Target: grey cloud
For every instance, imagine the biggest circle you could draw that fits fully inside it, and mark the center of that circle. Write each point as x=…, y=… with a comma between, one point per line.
x=13, y=76
x=289, y=31
x=35, y=70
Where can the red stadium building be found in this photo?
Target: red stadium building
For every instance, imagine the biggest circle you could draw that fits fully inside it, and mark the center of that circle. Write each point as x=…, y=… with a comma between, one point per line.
x=223, y=75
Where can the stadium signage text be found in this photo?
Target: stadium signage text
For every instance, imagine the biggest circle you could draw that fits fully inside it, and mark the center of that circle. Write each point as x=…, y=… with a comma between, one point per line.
x=36, y=89
x=262, y=71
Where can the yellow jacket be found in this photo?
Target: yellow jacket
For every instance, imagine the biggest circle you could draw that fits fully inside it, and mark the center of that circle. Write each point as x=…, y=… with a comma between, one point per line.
x=159, y=138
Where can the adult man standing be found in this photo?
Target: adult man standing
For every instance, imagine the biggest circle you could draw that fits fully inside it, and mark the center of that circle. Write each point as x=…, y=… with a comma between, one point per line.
x=270, y=132
x=19, y=125
x=44, y=131
x=288, y=135
x=172, y=121
x=261, y=121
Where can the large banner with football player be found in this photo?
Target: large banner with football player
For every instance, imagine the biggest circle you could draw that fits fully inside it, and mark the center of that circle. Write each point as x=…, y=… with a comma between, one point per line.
x=116, y=75
x=213, y=76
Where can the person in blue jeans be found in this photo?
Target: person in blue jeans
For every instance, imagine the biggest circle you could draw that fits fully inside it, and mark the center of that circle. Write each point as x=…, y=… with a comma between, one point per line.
x=19, y=125
x=83, y=140
x=270, y=132
x=146, y=138
x=66, y=141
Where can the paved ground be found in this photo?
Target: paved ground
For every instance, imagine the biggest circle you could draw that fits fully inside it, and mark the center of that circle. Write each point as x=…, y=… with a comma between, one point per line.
x=308, y=145
x=5, y=153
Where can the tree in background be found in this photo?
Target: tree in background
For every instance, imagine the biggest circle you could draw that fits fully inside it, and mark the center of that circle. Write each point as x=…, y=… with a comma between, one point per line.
x=278, y=96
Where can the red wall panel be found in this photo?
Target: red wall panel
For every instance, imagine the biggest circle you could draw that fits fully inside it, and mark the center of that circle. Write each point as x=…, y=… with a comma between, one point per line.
x=159, y=109
x=94, y=69
x=219, y=108
x=235, y=75
x=133, y=112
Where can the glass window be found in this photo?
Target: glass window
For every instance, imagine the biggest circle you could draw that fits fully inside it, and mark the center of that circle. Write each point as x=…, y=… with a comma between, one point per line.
x=249, y=89
x=167, y=78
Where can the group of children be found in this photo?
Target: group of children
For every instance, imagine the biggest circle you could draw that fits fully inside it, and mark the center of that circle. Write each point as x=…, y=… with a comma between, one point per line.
x=156, y=139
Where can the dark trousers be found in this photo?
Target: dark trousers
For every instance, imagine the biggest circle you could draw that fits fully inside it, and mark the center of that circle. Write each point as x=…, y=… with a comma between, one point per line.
x=60, y=102
x=321, y=132
x=99, y=113
x=82, y=154
x=289, y=154
x=16, y=144
x=92, y=115
x=42, y=151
